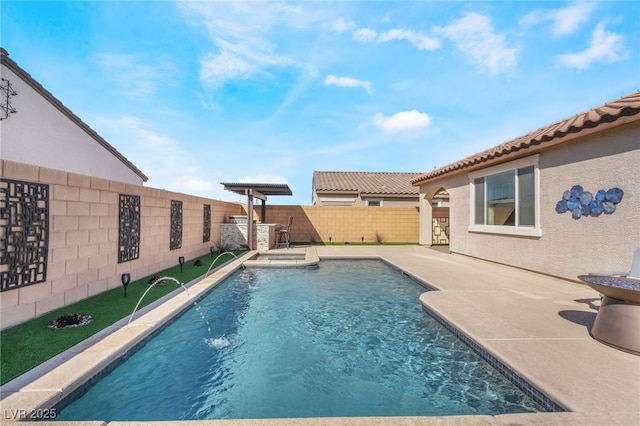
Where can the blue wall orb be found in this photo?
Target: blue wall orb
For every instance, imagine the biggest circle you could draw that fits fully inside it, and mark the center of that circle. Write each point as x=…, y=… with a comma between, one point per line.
x=609, y=207
x=597, y=207
x=572, y=205
x=584, y=203
x=585, y=198
x=614, y=195
x=576, y=190
x=561, y=206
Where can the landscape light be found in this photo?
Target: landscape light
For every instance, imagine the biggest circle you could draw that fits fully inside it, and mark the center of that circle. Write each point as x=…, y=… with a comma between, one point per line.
x=125, y=278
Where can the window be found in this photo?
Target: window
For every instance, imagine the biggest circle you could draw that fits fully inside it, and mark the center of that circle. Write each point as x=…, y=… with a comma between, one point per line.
x=504, y=198
x=374, y=202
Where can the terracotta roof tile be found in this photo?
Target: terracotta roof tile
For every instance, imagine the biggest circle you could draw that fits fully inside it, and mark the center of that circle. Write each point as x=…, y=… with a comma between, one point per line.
x=373, y=183
x=532, y=142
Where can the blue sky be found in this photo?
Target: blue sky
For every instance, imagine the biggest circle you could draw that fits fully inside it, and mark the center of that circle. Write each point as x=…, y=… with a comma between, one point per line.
x=198, y=93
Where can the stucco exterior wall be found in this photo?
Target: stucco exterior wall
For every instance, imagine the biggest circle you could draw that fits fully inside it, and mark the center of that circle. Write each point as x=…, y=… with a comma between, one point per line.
x=39, y=133
x=348, y=223
x=568, y=247
x=83, y=237
x=325, y=199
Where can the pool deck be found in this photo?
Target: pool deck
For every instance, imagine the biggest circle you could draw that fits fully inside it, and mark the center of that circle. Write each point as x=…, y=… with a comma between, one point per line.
x=537, y=325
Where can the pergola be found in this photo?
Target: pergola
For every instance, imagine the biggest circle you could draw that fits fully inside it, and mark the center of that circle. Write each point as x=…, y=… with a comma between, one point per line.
x=259, y=191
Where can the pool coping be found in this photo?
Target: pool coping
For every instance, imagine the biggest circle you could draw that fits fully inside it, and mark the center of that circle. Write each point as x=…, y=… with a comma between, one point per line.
x=51, y=387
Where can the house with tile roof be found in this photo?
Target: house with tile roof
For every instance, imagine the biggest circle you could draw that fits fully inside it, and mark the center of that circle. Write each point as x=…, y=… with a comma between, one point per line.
x=562, y=200
x=37, y=129
x=376, y=189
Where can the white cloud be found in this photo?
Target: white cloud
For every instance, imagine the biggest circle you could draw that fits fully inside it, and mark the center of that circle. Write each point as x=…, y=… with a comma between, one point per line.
x=242, y=34
x=402, y=121
x=332, y=80
x=564, y=21
x=531, y=19
x=569, y=19
x=341, y=25
x=604, y=47
x=365, y=35
x=418, y=40
x=216, y=70
x=475, y=38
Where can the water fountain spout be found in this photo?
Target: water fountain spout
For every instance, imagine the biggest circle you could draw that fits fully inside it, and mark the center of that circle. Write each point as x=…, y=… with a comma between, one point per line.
x=214, y=261
x=159, y=280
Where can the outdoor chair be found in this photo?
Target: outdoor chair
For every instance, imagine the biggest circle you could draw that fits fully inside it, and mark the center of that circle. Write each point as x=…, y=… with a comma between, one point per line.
x=283, y=235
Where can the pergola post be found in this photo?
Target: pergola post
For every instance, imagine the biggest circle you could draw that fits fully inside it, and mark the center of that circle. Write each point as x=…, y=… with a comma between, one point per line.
x=250, y=194
x=249, y=219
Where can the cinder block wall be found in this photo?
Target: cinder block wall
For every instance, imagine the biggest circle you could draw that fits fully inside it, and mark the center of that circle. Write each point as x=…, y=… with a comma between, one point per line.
x=83, y=237
x=347, y=223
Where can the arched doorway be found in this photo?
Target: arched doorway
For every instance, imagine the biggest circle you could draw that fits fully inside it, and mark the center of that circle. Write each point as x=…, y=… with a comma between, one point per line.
x=434, y=217
x=440, y=218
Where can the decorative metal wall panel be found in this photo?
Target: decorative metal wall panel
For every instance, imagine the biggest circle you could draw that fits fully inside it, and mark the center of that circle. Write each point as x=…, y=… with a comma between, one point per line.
x=6, y=93
x=440, y=234
x=24, y=233
x=129, y=228
x=176, y=225
x=206, y=228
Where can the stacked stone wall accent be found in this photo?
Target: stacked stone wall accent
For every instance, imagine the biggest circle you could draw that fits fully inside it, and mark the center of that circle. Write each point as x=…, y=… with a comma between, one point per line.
x=234, y=236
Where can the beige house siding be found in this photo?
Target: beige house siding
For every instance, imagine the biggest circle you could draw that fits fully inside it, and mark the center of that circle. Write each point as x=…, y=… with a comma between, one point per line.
x=83, y=237
x=567, y=247
x=348, y=224
x=324, y=199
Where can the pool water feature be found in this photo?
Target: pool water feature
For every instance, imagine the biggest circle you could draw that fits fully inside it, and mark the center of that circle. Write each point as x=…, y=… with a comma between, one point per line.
x=348, y=338
x=156, y=282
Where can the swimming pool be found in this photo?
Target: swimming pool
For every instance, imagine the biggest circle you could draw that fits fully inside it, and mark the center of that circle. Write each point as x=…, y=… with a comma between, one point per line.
x=346, y=339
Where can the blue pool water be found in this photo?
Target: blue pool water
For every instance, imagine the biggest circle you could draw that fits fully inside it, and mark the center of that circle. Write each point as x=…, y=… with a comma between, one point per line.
x=346, y=339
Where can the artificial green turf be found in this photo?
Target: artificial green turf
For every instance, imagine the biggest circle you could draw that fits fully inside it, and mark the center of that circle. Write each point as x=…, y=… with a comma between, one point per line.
x=31, y=343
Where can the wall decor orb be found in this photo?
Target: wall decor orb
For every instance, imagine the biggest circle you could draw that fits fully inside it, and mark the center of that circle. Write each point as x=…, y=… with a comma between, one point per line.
x=583, y=203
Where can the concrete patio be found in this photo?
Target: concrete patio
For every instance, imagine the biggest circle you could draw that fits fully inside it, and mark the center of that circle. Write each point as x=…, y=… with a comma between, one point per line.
x=537, y=325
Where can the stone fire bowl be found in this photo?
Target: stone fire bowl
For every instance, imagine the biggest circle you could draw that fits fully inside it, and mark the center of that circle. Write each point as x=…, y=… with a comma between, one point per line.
x=621, y=288
x=616, y=323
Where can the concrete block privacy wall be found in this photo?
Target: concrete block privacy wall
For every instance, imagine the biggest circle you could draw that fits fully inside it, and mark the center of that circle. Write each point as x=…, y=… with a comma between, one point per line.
x=348, y=224
x=82, y=255
x=83, y=237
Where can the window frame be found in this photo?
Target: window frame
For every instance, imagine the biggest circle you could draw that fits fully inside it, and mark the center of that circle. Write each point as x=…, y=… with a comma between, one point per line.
x=375, y=200
x=527, y=231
